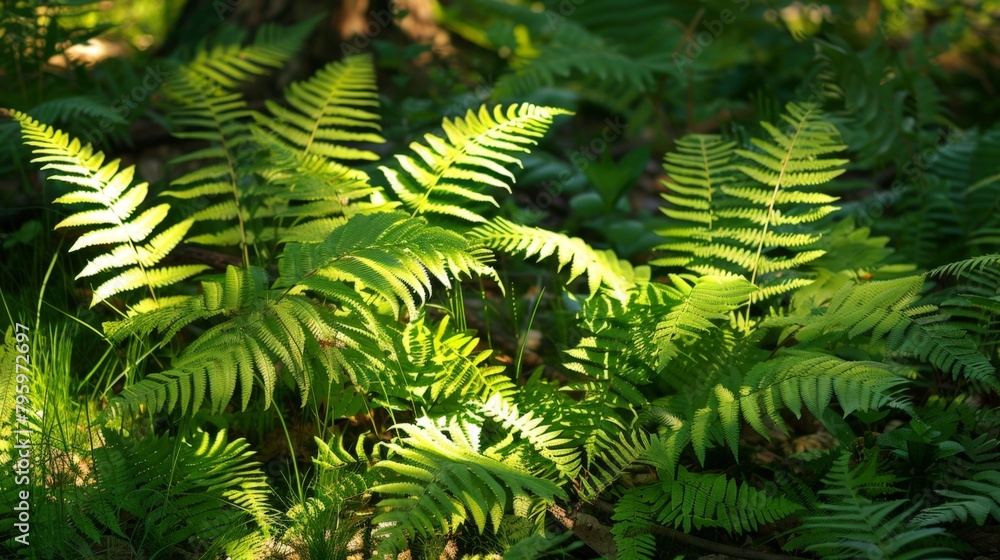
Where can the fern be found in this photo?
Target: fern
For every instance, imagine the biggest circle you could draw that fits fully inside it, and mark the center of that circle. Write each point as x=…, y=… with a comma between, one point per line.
x=959, y=268
x=447, y=362
x=633, y=517
x=594, y=53
x=159, y=493
x=542, y=438
x=713, y=500
x=386, y=255
x=793, y=379
x=474, y=151
x=110, y=189
x=503, y=235
x=334, y=105
x=973, y=491
x=850, y=523
x=304, y=176
x=207, y=104
x=222, y=67
x=884, y=310
x=747, y=212
x=440, y=478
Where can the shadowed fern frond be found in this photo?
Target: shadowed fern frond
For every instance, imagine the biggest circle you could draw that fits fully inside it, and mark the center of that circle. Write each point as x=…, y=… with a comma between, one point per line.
x=850, y=523
x=221, y=68
x=697, y=500
x=159, y=494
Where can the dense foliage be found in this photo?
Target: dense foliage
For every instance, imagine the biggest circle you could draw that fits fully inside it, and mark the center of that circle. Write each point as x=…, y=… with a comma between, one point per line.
x=372, y=317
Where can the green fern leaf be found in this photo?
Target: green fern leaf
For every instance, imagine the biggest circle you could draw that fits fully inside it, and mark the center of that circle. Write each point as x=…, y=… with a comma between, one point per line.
x=334, y=105
x=697, y=500
x=438, y=479
x=503, y=235
x=388, y=253
x=445, y=176
x=111, y=188
x=746, y=207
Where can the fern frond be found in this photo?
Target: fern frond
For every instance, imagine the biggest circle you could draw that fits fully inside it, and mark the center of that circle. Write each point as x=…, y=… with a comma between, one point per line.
x=92, y=109
x=112, y=190
x=959, y=268
x=697, y=500
x=611, y=458
x=160, y=493
x=263, y=327
x=696, y=303
x=448, y=172
x=456, y=371
x=438, y=478
x=849, y=524
x=543, y=439
x=745, y=207
x=553, y=64
x=388, y=253
x=511, y=238
x=316, y=193
x=223, y=67
x=633, y=517
x=207, y=107
x=335, y=105
x=884, y=310
x=973, y=493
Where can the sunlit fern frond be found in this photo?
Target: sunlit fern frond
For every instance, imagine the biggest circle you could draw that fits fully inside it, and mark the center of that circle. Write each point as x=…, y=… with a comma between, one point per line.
x=337, y=104
x=448, y=364
x=263, y=332
x=470, y=153
x=113, y=200
x=504, y=235
x=888, y=313
x=388, y=253
x=544, y=440
x=438, y=477
x=311, y=195
x=748, y=208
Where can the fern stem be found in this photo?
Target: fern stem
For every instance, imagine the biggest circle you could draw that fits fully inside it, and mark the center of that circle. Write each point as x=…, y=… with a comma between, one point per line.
x=239, y=208
x=527, y=331
x=770, y=204
x=291, y=451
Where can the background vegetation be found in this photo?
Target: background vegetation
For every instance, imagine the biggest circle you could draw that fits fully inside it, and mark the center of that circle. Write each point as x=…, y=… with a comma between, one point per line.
x=500, y=279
